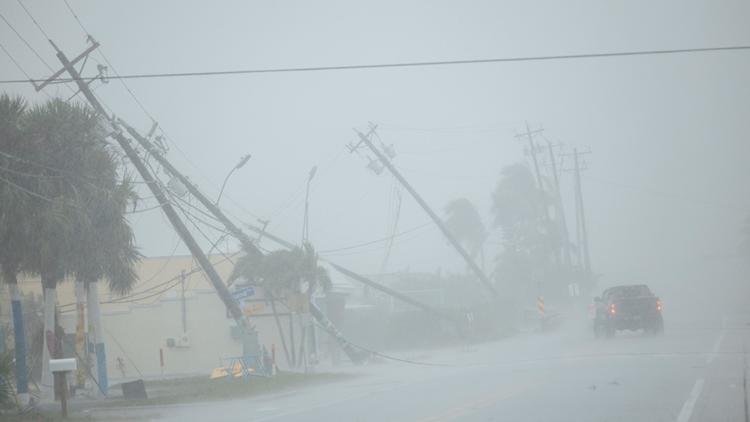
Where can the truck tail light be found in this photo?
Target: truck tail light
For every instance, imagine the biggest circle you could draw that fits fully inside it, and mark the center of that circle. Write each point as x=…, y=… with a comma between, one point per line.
x=658, y=305
x=612, y=309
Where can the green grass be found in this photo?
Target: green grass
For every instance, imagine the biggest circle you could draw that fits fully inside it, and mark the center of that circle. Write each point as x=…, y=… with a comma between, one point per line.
x=190, y=390
x=203, y=389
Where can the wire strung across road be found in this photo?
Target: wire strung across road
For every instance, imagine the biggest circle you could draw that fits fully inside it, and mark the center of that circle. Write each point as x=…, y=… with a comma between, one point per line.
x=413, y=64
x=372, y=242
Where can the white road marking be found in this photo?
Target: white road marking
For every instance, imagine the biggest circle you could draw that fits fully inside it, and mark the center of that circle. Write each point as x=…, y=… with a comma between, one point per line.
x=715, y=350
x=687, y=408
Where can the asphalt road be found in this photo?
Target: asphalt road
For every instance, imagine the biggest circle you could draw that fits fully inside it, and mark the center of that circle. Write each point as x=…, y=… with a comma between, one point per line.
x=694, y=372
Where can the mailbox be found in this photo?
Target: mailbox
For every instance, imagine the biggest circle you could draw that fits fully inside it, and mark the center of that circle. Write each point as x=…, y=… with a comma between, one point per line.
x=62, y=365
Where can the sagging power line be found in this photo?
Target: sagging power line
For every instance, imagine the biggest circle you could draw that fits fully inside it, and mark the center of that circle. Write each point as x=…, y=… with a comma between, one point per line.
x=413, y=64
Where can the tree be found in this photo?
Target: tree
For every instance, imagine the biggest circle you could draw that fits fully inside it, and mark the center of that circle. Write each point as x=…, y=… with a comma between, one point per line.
x=78, y=214
x=14, y=206
x=105, y=250
x=465, y=223
x=283, y=273
x=530, y=238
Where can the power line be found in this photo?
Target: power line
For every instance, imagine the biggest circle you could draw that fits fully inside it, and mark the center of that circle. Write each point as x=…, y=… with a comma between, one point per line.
x=106, y=60
x=409, y=64
x=37, y=194
x=130, y=298
x=88, y=180
x=10, y=56
x=76, y=17
x=33, y=50
x=372, y=242
x=34, y=20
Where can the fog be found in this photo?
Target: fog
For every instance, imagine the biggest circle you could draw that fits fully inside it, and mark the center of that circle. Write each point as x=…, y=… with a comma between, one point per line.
x=665, y=186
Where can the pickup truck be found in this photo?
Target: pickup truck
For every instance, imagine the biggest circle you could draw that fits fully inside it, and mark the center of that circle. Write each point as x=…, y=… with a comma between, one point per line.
x=628, y=307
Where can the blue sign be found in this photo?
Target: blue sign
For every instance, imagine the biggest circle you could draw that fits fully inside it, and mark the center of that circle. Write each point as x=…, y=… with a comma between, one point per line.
x=243, y=293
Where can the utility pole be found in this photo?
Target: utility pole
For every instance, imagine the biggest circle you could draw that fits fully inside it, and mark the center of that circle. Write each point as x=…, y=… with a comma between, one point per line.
x=248, y=243
x=238, y=233
x=207, y=203
x=182, y=299
x=529, y=135
x=250, y=247
x=560, y=208
x=154, y=186
x=582, y=213
x=584, y=257
x=382, y=158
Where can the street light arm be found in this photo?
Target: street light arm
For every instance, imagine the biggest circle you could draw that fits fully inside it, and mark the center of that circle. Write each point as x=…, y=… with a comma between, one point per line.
x=239, y=165
x=223, y=185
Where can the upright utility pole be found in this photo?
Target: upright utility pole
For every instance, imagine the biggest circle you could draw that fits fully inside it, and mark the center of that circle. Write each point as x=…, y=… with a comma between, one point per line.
x=435, y=218
x=560, y=208
x=156, y=190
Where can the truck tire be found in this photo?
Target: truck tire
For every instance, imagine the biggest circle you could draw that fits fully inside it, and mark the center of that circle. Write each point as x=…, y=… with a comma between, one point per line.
x=609, y=331
x=659, y=326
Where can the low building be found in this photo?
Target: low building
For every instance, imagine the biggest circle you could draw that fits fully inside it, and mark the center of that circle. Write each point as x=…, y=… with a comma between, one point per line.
x=172, y=323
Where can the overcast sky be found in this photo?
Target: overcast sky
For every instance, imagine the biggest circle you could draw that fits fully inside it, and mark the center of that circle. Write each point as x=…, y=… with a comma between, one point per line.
x=667, y=180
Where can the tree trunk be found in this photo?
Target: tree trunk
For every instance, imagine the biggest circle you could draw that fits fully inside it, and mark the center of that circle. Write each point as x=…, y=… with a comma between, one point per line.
x=90, y=344
x=281, y=330
x=81, y=333
x=48, y=340
x=96, y=338
x=19, y=332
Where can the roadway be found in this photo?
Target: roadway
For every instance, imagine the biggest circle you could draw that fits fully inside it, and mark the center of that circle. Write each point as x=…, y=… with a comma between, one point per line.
x=694, y=372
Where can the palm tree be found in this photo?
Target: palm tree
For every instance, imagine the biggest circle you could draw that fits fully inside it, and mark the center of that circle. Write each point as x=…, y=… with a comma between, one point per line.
x=106, y=251
x=14, y=205
x=79, y=228
x=465, y=223
x=292, y=273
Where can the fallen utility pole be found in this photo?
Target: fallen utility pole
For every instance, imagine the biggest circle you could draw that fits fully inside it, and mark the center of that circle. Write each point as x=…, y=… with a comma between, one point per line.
x=194, y=191
x=156, y=190
x=250, y=246
x=435, y=218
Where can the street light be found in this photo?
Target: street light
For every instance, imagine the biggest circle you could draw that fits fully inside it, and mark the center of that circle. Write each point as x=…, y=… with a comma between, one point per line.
x=305, y=222
x=239, y=165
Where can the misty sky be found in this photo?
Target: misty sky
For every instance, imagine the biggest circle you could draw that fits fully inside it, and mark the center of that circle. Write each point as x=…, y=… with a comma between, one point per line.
x=667, y=185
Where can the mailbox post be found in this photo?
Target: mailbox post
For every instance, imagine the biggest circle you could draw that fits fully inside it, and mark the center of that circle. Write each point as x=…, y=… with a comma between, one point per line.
x=60, y=368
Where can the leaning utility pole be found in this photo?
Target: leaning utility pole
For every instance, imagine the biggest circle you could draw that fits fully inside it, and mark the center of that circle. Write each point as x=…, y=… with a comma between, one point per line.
x=250, y=246
x=248, y=243
x=560, y=207
x=365, y=139
x=211, y=206
x=154, y=186
x=529, y=135
x=582, y=232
